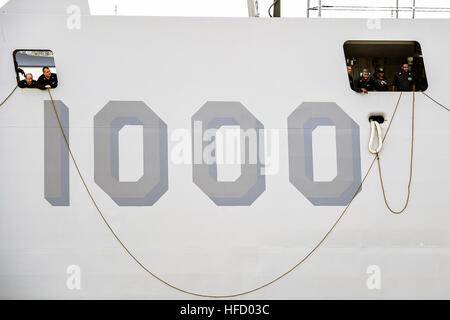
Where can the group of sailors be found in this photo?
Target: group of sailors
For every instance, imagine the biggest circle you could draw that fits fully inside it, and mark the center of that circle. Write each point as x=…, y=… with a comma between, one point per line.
x=404, y=80
x=47, y=80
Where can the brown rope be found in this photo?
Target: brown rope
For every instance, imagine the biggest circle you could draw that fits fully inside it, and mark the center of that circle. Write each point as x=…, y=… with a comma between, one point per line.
x=439, y=104
x=410, y=165
x=183, y=290
x=1, y=104
x=393, y=115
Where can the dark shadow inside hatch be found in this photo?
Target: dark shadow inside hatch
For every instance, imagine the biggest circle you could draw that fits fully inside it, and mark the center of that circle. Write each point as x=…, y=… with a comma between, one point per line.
x=385, y=66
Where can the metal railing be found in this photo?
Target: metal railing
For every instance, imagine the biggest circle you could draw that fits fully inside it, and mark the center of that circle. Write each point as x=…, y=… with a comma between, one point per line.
x=394, y=10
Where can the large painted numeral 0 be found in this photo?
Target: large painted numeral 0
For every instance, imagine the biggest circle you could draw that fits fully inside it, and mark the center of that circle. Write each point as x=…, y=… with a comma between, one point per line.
x=301, y=124
x=107, y=124
x=251, y=183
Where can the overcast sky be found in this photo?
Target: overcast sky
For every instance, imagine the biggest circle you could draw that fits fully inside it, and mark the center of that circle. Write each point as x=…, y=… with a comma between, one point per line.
x=238, y=8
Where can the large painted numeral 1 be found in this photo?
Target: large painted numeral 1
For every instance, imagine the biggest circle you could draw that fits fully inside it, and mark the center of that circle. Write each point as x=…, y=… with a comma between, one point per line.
x=56, y=155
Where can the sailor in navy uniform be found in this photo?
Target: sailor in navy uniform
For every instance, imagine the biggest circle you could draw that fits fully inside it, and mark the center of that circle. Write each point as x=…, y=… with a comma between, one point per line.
x=28, y=82
x=405, y=80
x=380, y=82
x=350, y=77
x=365, y=83
x=47, y=80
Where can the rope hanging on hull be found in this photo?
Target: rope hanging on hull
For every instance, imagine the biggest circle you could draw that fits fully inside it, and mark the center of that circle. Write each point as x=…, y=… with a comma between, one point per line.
x=410, y=163
x=3, y=102
x=376, y=158
x=439, y=104
x=318, y=244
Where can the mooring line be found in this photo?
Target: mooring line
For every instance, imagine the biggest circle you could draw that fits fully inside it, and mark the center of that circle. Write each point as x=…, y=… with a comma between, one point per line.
x=196, y=293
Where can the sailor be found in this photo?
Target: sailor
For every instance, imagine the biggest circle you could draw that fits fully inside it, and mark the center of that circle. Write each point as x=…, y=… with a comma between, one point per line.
x=365, y=83
x=405, y=80
x=350, y=77
x=380, y=83
x=28, y=82
x=47, y=80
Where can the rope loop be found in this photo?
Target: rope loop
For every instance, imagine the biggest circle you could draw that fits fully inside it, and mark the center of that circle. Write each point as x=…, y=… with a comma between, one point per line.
x=375, y=126
x=410, y=164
